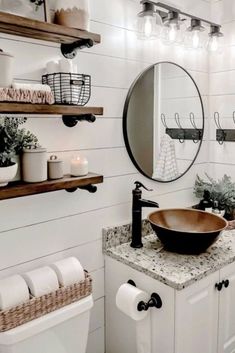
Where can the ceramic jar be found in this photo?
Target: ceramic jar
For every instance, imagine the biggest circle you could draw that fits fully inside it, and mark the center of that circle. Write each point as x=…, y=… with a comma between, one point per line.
x=73, y=13
x=34, y=165
x=6, y=69
x=55, y=168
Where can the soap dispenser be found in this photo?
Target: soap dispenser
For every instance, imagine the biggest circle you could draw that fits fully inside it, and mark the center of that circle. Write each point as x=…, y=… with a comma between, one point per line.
x=206, y=203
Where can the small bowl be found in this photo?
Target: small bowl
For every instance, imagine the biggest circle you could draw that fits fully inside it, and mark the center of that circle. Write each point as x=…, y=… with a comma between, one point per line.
x=186, y=231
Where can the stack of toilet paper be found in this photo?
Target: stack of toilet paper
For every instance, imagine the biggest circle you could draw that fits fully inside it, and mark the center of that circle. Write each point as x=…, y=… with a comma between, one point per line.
x=63, y=65
x=16, y=290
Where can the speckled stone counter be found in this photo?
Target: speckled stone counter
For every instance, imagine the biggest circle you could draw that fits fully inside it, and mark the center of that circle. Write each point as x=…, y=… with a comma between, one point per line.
x=176, y=271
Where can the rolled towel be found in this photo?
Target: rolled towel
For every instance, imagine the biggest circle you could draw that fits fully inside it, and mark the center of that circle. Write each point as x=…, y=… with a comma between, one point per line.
x=41, y=281
x=69, y=271
x=66, y=65
x=32, y=87
x=13, y=291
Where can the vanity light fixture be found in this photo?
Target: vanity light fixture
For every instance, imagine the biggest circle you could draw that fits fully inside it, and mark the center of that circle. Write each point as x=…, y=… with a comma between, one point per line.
x=215, y=38
x=196, y=30
x=159, y=20
x=171, y=27
x=149, y=22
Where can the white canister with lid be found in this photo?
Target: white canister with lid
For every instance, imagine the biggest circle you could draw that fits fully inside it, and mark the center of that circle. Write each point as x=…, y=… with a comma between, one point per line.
x=55, y=168
x=6, y=69
x=73, y=13
x=34, y=165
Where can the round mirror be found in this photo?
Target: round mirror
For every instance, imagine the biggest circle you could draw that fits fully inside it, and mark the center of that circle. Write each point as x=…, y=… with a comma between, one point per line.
x=163, y=122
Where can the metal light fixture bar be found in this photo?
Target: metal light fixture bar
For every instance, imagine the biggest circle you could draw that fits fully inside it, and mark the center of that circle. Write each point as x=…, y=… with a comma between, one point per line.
x=174, y=9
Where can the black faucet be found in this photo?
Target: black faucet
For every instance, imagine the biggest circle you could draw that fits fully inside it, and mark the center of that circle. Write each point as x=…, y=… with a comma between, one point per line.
x=137, y=205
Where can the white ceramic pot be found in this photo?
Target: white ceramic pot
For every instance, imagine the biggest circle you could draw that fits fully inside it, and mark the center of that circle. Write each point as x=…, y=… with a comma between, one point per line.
x=55, y=168
x=34, y=165
x=6, y=69
x=7, y=174
x=17, y=160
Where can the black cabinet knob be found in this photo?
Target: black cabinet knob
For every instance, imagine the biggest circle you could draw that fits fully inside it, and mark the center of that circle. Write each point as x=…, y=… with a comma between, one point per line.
x=219, y=286
x=226, y=283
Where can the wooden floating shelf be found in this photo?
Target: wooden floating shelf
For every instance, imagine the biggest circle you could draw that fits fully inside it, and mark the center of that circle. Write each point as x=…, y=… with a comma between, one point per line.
x=19, y=189
x=26, y=27
x=45, y=109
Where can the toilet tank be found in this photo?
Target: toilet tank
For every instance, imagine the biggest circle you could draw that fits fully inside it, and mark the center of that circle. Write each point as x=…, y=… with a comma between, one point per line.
x=62, y=331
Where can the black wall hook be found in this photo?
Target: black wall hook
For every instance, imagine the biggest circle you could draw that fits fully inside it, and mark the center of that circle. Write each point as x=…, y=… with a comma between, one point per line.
x=70, y=50
x=71, y=121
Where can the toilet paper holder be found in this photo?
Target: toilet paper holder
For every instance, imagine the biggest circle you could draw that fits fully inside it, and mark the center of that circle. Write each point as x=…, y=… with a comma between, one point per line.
x=155, y=300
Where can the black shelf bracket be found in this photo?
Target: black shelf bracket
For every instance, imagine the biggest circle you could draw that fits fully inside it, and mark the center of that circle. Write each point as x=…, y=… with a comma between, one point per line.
x=71, y=120
x=90, y=188
x=70, y=50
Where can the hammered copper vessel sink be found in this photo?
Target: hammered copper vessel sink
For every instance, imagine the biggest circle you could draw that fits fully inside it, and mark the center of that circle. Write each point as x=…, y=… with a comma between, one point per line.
x=186, y=231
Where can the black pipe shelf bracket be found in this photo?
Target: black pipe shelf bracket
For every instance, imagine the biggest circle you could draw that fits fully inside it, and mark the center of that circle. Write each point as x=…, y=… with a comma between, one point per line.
x=223, y=135
x=90, y=188
x=71, y=120
x=70, y=50
x=182, y=134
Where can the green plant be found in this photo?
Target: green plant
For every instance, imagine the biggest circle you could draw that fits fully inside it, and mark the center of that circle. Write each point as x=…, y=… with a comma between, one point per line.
x=222, y=190
x=14, y=139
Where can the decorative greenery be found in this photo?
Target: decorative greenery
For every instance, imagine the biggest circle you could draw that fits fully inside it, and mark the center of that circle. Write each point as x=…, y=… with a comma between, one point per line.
x=37, y=3
x=14, y=139
x=222, y=190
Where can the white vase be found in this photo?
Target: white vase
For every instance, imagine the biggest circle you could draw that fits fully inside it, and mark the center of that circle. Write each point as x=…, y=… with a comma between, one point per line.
x=6, y=69
x=7, y=174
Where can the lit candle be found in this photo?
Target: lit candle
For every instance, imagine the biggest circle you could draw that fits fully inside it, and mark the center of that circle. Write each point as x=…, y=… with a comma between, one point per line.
x=79, y=166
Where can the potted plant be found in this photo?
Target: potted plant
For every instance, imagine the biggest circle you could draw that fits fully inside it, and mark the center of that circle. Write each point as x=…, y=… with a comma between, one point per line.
x=13, y=140
x=222, y=191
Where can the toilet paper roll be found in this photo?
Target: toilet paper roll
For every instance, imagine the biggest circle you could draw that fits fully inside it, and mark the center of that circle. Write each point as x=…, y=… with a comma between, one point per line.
x=69, y=271
x=41, y=281
x=66, y=65
x=127, y=300
x=143, y=335
x=52, y=67
x=13, y=291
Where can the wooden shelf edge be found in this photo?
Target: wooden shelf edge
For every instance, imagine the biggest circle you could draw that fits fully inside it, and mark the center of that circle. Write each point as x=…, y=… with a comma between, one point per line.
x=26, y=27
x=20, y=189
x=45, y=109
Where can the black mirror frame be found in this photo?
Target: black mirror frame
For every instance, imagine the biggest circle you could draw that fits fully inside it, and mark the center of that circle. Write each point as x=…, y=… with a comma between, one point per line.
x=124, y=123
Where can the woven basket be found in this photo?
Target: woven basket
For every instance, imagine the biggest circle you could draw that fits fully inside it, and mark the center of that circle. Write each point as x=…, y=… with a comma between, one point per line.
x=37, y=307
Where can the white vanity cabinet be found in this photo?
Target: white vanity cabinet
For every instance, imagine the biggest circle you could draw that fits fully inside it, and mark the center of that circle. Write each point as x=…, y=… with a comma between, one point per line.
x=196, y=319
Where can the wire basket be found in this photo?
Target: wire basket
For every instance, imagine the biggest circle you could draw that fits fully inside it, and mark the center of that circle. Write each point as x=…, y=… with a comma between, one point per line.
x=68, y=88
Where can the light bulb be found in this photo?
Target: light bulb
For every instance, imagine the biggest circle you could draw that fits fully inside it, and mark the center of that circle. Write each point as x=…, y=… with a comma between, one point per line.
x=196, y=39
x=213, y=44
x=172, y=33
x=148, y=27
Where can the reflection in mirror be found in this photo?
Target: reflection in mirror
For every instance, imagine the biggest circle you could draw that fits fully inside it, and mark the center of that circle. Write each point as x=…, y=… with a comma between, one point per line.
x=163, y=122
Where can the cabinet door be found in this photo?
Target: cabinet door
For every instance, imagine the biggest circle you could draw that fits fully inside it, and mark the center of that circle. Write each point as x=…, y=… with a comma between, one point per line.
x=226, y=337
x=196, y=321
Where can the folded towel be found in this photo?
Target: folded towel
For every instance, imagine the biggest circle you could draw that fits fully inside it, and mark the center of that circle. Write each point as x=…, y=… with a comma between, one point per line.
x=166, y=167
x=31, y=86
x=26, y=96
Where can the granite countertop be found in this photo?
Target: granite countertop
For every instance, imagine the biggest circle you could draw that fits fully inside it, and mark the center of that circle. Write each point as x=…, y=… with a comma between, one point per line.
x=175, y=270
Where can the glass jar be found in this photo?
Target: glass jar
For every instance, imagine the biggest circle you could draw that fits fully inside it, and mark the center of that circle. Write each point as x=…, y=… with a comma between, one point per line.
x=73, y=13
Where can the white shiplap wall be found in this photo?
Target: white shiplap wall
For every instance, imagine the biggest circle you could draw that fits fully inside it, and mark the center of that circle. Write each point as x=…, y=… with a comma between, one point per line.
x=222, y=90
x=40, y=229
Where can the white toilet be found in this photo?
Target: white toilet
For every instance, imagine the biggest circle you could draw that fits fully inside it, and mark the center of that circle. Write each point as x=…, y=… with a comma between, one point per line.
x=62, y=331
